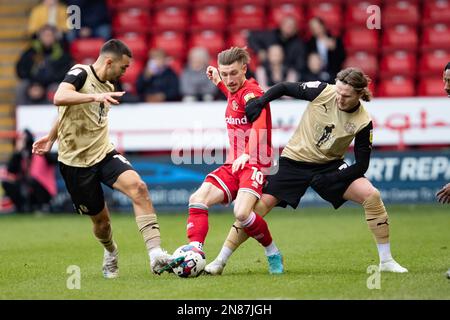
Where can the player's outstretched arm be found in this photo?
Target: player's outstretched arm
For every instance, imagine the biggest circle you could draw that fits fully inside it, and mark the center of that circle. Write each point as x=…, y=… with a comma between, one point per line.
x=66, y=95
x=299, y=90
x=44, y=144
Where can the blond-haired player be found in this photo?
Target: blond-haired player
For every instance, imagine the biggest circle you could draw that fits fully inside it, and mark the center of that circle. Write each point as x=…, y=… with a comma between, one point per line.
x=314, y=157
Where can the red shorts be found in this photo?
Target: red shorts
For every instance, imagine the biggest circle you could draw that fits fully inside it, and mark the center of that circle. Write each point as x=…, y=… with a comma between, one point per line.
x=249, y=179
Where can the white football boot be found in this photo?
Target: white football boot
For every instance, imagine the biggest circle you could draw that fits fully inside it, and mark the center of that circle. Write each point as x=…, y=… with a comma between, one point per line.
x=215, y=268
x=110, y=264
x=392, y=266
x=159, y=260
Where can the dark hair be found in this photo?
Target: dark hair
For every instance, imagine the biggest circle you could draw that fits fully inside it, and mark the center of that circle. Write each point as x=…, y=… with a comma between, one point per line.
x=116, y=47
x=323, y=24
x=447, y=67
x=357, y=79
x=232, y=55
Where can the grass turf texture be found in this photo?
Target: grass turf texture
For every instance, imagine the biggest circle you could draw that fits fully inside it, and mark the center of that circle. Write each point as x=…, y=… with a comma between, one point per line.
x=326, y=255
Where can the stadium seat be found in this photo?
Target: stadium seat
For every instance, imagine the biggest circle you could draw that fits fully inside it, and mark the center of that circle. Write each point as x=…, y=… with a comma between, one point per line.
x=400, y=12
x=209, y=2
x=247, y=16
x=172, y=42
x=436, y=36
x=83, y=49
x=431, y=86
x=282, y=9
x=356, y=14
x=171, y=3
x=399, y=37
x=433, y=62
x=212, y=40
x=364, y=60
x=129, y=78
x=240, y=2
x=115, y=5
x=238, y=38
x=137, y=43
x=397, y=86
x=398, y=63
x=329, y=12
x=170, y=18
x=436, y=11
x=131, y=20
x=208, y=17
x=361, y=40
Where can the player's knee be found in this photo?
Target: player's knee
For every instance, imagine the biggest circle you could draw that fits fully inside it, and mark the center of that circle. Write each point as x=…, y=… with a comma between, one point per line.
x=372, y=196
x=198, y=197
x=374, y=206
x=240, y=214
x=139, y=191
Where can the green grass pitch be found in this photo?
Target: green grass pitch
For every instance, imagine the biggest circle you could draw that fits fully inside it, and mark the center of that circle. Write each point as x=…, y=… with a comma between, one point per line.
x=326, y=253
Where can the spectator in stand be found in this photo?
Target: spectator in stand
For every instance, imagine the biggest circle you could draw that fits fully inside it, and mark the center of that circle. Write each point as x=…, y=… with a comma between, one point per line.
x=314, y=70
x=157, y=82
x=31, y=180
x=41, y=67
x=95, y=20
x=330, y=48
x=48, y=12
x=287, y=36
x=194, y=84
x=274, y=70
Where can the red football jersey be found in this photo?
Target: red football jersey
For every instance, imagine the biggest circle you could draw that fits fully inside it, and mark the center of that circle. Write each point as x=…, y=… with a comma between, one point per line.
x=254, y=138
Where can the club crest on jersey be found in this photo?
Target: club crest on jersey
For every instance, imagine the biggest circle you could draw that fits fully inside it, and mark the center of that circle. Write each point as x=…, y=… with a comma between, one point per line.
x=235, y=106
x=249, y=96
x=350, y=128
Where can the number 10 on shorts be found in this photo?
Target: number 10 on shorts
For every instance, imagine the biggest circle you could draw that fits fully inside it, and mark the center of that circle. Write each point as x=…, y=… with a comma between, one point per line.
x=257, y=175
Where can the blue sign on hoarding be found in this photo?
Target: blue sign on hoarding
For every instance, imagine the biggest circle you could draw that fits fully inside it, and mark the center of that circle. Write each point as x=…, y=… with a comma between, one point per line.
x=401, y=177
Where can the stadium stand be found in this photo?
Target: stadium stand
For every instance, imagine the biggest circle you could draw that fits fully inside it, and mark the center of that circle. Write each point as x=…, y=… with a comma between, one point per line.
x=416, y=26
x=402, y=57
x=13, y=40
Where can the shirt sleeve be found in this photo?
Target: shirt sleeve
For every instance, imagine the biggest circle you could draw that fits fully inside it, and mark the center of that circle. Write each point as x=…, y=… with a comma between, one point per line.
x=77, y=77
x=223, y=88
x=362, y=149
x=299, y=90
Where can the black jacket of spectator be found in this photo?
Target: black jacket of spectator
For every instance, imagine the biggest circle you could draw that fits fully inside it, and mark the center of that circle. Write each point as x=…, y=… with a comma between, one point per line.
x=294, y=49
x=335, y=57
x=93, y=13
x=43, y=65
x=165, y=82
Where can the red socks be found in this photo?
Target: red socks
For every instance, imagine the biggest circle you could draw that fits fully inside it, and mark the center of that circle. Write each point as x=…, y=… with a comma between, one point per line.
x=197, y=223
x=256, y=227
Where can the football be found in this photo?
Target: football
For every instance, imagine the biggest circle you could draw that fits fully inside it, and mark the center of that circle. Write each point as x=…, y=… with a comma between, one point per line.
x=193, y=264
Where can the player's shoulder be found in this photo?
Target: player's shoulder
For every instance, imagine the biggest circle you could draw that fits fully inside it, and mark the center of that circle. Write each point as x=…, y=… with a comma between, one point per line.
x=250, y=90
x=78, y=70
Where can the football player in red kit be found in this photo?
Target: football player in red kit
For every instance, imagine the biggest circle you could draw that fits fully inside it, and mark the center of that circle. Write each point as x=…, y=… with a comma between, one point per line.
x=242, y=176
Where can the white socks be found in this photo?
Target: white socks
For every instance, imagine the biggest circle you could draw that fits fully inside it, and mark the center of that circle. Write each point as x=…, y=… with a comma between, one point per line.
x=225, y=254
x=271, y=249
x=384, y=251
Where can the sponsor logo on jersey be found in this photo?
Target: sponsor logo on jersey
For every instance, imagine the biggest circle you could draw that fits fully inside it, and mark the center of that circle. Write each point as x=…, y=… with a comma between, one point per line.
x=231, y=120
